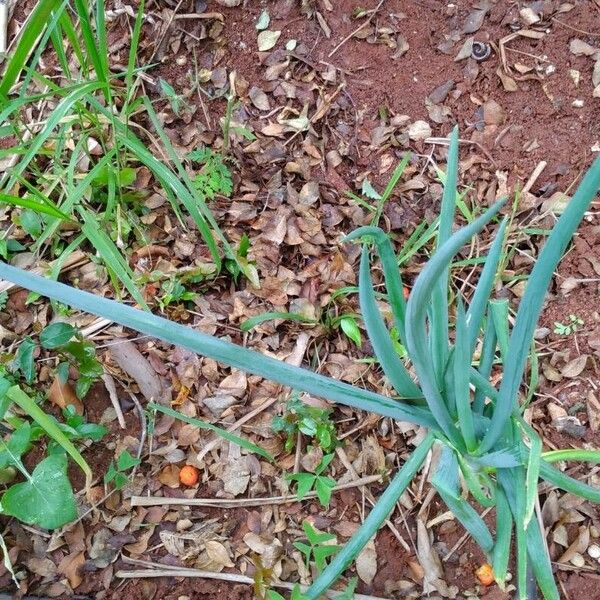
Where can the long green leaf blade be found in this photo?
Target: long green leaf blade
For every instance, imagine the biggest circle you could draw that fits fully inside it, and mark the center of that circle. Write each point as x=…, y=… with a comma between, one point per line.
x=481, y=296
x=219, y=350
x=416, y=310
x=461, y=363
x=110, y=255
x=373, y=522
x=35, y=25
x=379, y=336
x=501, y=552
x=391, y=273
x=533, y=300
x=226, y=435
x=19, y=397
x=439, y=298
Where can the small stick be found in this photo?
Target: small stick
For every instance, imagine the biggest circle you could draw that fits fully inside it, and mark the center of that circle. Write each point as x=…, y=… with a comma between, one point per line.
x=3, y=24
x=164, y=571
x=109, y=383
x=226, y=503
x=464, y=538
x=446, y=142
x=534, y=176
x=575, y=28
x=208, y=15
x=360, y=28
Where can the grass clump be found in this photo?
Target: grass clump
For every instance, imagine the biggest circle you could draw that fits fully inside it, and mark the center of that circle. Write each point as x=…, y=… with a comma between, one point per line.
x=480, y=430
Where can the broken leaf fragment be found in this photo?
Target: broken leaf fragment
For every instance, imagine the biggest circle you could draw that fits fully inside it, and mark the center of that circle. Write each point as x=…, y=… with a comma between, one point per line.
x=267, y=39
x=263, y=20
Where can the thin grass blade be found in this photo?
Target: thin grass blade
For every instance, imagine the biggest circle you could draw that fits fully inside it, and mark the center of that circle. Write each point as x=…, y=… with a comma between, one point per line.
x=19, y=397
x=35, y=25
x=226, y=435
x=110, y=255
x=252, y=322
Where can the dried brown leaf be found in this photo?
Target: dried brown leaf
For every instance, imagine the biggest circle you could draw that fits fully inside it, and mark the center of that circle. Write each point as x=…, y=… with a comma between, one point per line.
x=131, y=360
x=63, y=395
x=366, y=563
x=574, y=367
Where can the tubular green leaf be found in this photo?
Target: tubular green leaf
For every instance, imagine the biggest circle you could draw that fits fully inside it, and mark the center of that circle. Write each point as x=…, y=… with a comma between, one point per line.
x=373, y=522
x=484, y=287
x=501, y=552
x=592, y=456
x=540, y=562
x=568, y=484
x=533, y=470
x=219, y=350
x=486, y=361
x=391, y=273
x=533, y=299
x=499, y=314
x=379, y=335
x=439, y=297
x=461, y=360
x=446, y=482
x=416, y=310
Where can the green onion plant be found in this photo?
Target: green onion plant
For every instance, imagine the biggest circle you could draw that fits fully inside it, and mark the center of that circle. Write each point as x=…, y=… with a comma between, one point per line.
x=485, y=444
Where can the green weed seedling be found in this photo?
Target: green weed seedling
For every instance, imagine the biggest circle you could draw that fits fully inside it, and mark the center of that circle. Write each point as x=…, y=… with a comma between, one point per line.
x=117, y=470
x=66, y=341
x=479, y=429
x=172, y=291
x=571, y=326
x=322, y=484
x=311, y=421
x=318, y=546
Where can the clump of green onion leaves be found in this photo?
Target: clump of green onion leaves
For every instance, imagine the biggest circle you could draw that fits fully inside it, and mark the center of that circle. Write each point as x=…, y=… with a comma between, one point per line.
x=483, y=438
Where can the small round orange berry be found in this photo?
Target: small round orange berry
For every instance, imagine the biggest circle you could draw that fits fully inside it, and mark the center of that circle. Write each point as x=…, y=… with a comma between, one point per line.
x=485, y=574
x=188, y=475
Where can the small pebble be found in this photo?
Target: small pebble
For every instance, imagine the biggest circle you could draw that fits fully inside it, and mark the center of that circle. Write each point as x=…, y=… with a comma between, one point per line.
x=594, y=551
x=578, y=560
x=594, y=532
x=577, y=104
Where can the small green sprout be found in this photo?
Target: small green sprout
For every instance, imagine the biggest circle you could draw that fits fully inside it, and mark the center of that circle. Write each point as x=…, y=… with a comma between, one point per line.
x=117, y=470
x=571, y=326
x=318, y=546
x=309, y=420
x=322, y=484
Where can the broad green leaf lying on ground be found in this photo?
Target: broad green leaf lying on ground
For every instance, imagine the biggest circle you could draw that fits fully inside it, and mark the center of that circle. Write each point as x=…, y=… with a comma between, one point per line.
x=46, y=499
